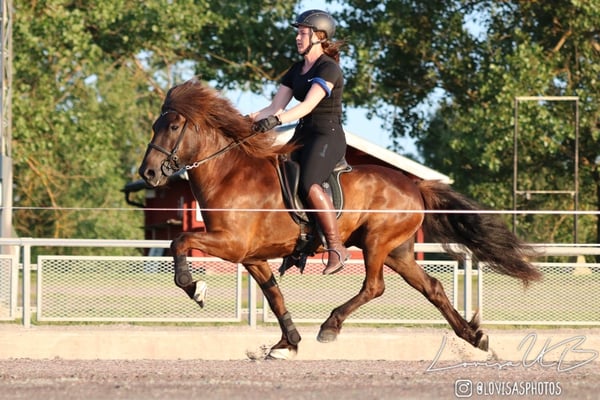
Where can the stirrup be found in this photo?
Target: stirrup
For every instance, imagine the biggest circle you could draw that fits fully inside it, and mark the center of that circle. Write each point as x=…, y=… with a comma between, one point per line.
x=338, y=267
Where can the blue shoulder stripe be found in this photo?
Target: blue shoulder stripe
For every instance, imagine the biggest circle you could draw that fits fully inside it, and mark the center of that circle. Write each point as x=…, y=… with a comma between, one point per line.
x=321, y=82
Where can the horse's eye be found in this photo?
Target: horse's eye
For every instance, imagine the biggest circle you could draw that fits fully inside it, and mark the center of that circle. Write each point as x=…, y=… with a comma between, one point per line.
x=174, y=127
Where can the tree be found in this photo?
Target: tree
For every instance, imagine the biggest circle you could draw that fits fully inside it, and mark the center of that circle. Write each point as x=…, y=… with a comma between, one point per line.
x=400, y=52
x=527, y=48
x=531, y=48
x=72, y=124
x=90, y=77
x=89, y=80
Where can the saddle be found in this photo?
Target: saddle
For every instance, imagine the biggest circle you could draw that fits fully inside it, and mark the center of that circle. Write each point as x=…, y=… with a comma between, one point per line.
x=311, y=236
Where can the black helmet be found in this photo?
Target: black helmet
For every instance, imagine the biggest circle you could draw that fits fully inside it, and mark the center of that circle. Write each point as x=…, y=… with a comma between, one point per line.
x=318, y=20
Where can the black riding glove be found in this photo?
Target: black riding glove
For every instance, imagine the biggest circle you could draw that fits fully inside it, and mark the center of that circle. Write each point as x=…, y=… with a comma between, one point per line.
x=266, y=124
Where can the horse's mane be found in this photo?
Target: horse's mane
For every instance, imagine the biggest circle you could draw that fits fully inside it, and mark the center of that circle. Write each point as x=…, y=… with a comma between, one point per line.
x=208, y=109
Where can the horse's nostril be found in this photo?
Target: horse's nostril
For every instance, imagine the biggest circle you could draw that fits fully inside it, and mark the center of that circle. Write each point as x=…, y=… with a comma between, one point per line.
x=147, y=174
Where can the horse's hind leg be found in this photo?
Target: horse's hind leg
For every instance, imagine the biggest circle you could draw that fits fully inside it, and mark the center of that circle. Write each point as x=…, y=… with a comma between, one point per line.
x=373, y=286
x=402, y=261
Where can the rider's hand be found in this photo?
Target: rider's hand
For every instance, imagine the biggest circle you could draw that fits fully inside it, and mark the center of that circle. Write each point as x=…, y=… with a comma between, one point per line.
x=266, y=124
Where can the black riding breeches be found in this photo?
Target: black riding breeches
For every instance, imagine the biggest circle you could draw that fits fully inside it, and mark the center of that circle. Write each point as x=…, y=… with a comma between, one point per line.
x=323, y=144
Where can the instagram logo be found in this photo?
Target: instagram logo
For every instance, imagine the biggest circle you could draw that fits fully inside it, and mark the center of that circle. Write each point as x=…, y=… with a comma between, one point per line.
x=463, y=388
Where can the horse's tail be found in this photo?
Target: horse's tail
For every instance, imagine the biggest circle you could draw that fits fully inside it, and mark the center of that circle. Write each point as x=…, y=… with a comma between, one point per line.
x=485, y=235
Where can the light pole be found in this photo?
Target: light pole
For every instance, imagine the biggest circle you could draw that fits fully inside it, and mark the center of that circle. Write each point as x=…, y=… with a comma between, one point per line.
x=6, y=173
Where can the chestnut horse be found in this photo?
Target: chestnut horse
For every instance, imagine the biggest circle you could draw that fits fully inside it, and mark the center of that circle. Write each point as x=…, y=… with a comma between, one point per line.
x=232, y=174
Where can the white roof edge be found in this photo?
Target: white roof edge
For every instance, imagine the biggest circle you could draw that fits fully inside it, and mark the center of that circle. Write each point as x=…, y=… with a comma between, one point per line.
x=404, y=163
x=417, y=169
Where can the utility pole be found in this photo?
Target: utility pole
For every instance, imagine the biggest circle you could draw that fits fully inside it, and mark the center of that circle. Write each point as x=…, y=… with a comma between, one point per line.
x=6, y=173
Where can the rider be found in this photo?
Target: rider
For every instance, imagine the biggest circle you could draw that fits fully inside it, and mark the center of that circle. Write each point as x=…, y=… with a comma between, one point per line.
x=317, y=83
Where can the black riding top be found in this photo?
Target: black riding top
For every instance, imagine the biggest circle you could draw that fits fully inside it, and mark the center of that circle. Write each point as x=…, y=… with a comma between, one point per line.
x=324, y=68
x=320, y=133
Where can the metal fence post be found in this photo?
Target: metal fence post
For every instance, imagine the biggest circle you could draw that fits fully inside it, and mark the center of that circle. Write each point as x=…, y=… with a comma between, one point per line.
x=480, y=290
x=251, y=301
x=26, y=285
x=468, y=289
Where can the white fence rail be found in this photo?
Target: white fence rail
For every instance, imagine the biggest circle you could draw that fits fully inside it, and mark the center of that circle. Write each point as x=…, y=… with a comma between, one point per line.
x=96, y=288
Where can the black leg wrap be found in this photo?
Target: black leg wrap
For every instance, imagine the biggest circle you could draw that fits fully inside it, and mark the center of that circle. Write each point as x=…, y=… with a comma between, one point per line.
x=183, y=277
x=268, y=284
x=291, y=333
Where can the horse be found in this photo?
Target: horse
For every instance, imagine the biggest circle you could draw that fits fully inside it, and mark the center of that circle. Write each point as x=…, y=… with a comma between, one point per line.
x=232, y=174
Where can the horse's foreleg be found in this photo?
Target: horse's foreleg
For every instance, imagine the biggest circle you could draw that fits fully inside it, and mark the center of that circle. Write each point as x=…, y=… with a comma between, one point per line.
x=433, y=290
x=288, y=345
x=184, y=280
x=373, y=286
x=207, y=242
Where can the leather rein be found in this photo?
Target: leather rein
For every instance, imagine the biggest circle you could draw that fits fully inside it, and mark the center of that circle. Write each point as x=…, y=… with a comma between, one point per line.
x=171, y=162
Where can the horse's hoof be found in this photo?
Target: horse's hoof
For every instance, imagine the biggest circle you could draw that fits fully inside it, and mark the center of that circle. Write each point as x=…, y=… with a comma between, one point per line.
x=327, y=336
x=280, y=354
x=484, y=343
x=200, y=293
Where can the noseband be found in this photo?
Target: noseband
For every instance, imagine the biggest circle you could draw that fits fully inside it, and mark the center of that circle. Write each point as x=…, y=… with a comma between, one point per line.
x=171, y=164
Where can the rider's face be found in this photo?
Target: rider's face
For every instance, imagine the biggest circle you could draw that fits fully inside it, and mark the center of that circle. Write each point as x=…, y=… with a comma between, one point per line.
x=304, y=37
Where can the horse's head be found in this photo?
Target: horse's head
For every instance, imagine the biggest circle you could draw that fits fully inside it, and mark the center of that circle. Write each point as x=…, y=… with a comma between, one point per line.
x=197, y=125
x=168, y=151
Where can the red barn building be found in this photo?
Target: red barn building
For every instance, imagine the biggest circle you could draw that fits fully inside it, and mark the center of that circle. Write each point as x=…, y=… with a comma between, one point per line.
x=172, y=209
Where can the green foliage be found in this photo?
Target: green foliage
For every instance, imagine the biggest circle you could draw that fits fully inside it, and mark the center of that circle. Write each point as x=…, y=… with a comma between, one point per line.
x=527, y=49
x=90, y=77
x=72, y=124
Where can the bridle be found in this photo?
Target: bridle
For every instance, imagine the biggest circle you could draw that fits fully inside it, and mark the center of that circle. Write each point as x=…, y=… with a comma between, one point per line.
x=171, y=162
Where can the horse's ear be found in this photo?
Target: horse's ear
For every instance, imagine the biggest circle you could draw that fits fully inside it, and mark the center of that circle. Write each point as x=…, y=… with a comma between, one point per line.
x=169, y=97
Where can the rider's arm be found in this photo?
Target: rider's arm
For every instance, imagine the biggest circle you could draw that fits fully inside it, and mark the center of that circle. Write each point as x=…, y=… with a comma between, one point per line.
x=313, y=97
x=280, y=101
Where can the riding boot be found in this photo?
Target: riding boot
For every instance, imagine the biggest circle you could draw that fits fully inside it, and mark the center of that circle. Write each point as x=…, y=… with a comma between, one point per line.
x=338, y=254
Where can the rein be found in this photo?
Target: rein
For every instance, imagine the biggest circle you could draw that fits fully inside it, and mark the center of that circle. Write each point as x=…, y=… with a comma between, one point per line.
x=171, y=162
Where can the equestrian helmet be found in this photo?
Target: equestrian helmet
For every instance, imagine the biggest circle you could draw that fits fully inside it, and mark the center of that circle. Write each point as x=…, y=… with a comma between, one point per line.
x=318, y=21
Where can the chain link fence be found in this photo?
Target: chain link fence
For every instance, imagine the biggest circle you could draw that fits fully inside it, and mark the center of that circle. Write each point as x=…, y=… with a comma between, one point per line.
x=141, y=289
x=567, y=295
x=311, y=296
x=9, y=278
x=133, y=289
